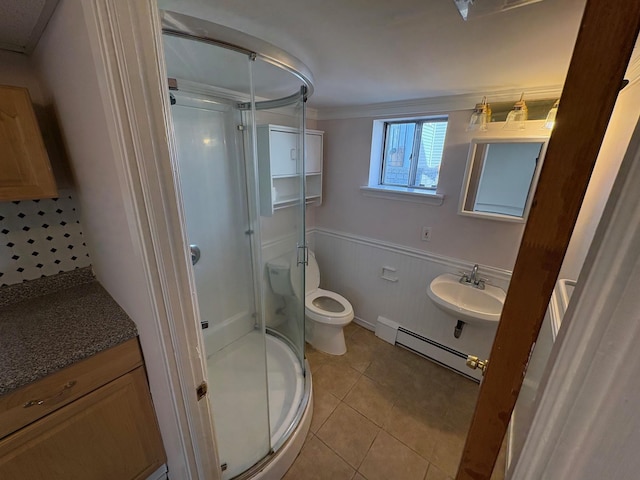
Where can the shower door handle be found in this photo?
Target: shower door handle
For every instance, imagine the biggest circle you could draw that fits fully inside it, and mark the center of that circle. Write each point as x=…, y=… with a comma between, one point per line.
x=305, y=255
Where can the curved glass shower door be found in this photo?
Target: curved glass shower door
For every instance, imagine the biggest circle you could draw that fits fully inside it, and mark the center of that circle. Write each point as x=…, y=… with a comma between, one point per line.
x=213, y=180
x=253, y=334
x=280, y=154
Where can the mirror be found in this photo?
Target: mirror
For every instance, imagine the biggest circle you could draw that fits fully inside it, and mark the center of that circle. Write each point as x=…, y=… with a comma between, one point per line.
x=501, y=177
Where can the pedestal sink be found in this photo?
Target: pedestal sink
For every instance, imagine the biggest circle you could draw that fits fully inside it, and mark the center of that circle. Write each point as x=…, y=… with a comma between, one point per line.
x=465, y=302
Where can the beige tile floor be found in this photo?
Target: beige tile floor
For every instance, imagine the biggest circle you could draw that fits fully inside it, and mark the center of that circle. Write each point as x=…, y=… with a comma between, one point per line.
x=384, y=413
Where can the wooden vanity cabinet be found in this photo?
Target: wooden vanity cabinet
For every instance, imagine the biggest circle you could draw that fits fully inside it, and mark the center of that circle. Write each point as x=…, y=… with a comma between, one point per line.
x=25, y=170
x=100, y=427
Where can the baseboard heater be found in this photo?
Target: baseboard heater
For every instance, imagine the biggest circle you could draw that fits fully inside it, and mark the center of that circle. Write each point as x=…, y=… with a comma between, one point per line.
x=448, y=357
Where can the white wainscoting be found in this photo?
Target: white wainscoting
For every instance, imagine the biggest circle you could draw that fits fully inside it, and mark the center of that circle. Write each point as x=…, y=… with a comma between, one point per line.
x=283, y=246
x=353, y=266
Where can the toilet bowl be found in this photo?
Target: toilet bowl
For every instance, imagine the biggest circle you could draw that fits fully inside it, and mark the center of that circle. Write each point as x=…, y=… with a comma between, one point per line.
x=326, y=312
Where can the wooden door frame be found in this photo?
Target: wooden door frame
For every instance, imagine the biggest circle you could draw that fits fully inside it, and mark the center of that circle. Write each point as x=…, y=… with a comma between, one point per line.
x=126, y=44
x=593, y=81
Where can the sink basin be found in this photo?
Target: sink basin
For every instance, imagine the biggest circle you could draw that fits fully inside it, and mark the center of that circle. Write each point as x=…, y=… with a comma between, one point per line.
x=465, y=302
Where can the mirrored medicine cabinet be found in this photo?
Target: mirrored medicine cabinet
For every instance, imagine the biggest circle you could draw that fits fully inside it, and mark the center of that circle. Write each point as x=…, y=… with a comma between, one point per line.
x=501, y=177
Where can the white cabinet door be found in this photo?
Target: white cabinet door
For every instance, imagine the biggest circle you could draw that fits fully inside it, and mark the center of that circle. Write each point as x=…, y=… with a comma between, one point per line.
x=283, y=151
x=314, y=153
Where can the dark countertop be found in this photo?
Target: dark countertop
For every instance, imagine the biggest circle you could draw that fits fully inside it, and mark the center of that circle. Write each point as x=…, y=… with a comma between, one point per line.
x=50, y=323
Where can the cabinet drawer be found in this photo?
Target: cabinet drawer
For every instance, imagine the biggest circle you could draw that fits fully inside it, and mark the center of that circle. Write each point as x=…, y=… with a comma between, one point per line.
x=31, y=402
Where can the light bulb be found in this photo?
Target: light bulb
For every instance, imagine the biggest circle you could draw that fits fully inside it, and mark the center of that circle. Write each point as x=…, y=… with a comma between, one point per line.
x=550, y=121
x=480, y=117
x=518, y=116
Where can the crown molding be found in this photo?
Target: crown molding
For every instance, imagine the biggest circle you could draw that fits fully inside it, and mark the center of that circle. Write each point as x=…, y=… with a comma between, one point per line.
x=431, y=105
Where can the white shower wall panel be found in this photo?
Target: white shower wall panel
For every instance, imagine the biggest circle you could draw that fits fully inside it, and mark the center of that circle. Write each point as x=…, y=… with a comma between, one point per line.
x=214, y=196
x=352, y=266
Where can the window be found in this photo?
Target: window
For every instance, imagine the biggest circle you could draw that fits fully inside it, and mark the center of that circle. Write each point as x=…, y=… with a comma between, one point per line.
x=412, y=152
x=405, y=159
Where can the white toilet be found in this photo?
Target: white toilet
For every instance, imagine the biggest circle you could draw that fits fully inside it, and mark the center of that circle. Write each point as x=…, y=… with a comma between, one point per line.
x=326, y=313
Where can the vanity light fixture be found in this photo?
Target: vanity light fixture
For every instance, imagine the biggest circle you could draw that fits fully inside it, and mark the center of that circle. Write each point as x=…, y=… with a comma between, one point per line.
x=518, y=116
x=480, y=117
x=551, y=116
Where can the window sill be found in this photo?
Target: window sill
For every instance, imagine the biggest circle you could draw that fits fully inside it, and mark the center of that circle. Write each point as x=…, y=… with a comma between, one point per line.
x=403, y=194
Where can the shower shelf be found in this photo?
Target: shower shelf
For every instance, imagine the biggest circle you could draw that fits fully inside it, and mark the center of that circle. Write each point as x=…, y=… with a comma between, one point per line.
x=290, y=202
x=277, y=165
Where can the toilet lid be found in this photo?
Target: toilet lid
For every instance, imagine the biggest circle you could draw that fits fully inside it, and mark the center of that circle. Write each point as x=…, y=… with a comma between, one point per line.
x=328, y=304
x=311, y=274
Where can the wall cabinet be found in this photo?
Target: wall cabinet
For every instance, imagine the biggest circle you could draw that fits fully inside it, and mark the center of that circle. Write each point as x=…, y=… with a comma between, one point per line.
x=25, y=170
x=96, y=421
x=278, y=167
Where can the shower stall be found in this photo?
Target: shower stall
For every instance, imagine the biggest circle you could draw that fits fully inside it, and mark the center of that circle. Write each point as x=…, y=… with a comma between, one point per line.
x=224, y=85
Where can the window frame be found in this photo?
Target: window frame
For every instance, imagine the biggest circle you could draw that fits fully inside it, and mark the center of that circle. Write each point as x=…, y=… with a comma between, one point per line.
x=374, y=189
x=414, y=158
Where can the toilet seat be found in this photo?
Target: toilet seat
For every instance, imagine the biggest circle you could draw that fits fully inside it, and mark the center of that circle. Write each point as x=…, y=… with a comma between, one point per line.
x=327, y=316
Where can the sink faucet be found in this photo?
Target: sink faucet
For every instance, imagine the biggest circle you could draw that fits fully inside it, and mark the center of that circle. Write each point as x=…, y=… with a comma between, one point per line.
x=473, y=279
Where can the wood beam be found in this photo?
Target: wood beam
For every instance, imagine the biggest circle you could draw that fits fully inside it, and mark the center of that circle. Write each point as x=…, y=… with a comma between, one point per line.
x=606, y=38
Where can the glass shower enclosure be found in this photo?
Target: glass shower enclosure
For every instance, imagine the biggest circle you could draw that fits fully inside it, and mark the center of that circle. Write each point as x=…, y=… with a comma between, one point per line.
x=222, y=96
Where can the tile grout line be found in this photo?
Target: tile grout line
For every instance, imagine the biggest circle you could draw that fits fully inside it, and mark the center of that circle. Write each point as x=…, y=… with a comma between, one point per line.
x=449, y=416
x=368, y=448
x=330, y=413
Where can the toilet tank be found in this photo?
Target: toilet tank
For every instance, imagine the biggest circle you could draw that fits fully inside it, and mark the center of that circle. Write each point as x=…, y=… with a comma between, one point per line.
x=279, y=276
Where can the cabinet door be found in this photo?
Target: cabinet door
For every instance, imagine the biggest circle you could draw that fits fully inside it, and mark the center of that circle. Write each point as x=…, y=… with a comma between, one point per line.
x=25, y=171
x=283, y=153
x=314, y=153
x=110, y=433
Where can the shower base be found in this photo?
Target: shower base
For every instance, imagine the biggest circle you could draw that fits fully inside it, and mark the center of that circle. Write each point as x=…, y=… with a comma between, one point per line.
x=237, y=380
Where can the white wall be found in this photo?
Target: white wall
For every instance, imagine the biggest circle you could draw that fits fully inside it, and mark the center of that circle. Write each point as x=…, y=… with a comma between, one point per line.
x=610, y=157
x=346, y=168
x=17, y=69
x=66, y=65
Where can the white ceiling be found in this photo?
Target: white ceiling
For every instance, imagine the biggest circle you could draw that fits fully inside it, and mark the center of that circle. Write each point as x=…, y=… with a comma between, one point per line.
x=22, y=23
x=372, y=51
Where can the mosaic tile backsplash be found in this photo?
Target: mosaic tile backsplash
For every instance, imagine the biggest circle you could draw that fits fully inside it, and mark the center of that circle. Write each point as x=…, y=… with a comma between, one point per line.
x=39, y=238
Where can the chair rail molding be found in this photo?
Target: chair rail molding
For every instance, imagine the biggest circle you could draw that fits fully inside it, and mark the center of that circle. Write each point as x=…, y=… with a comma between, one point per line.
x=452, y=263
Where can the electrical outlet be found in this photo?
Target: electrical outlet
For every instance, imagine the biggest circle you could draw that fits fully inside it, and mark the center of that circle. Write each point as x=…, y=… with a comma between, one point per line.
x=426, y=234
